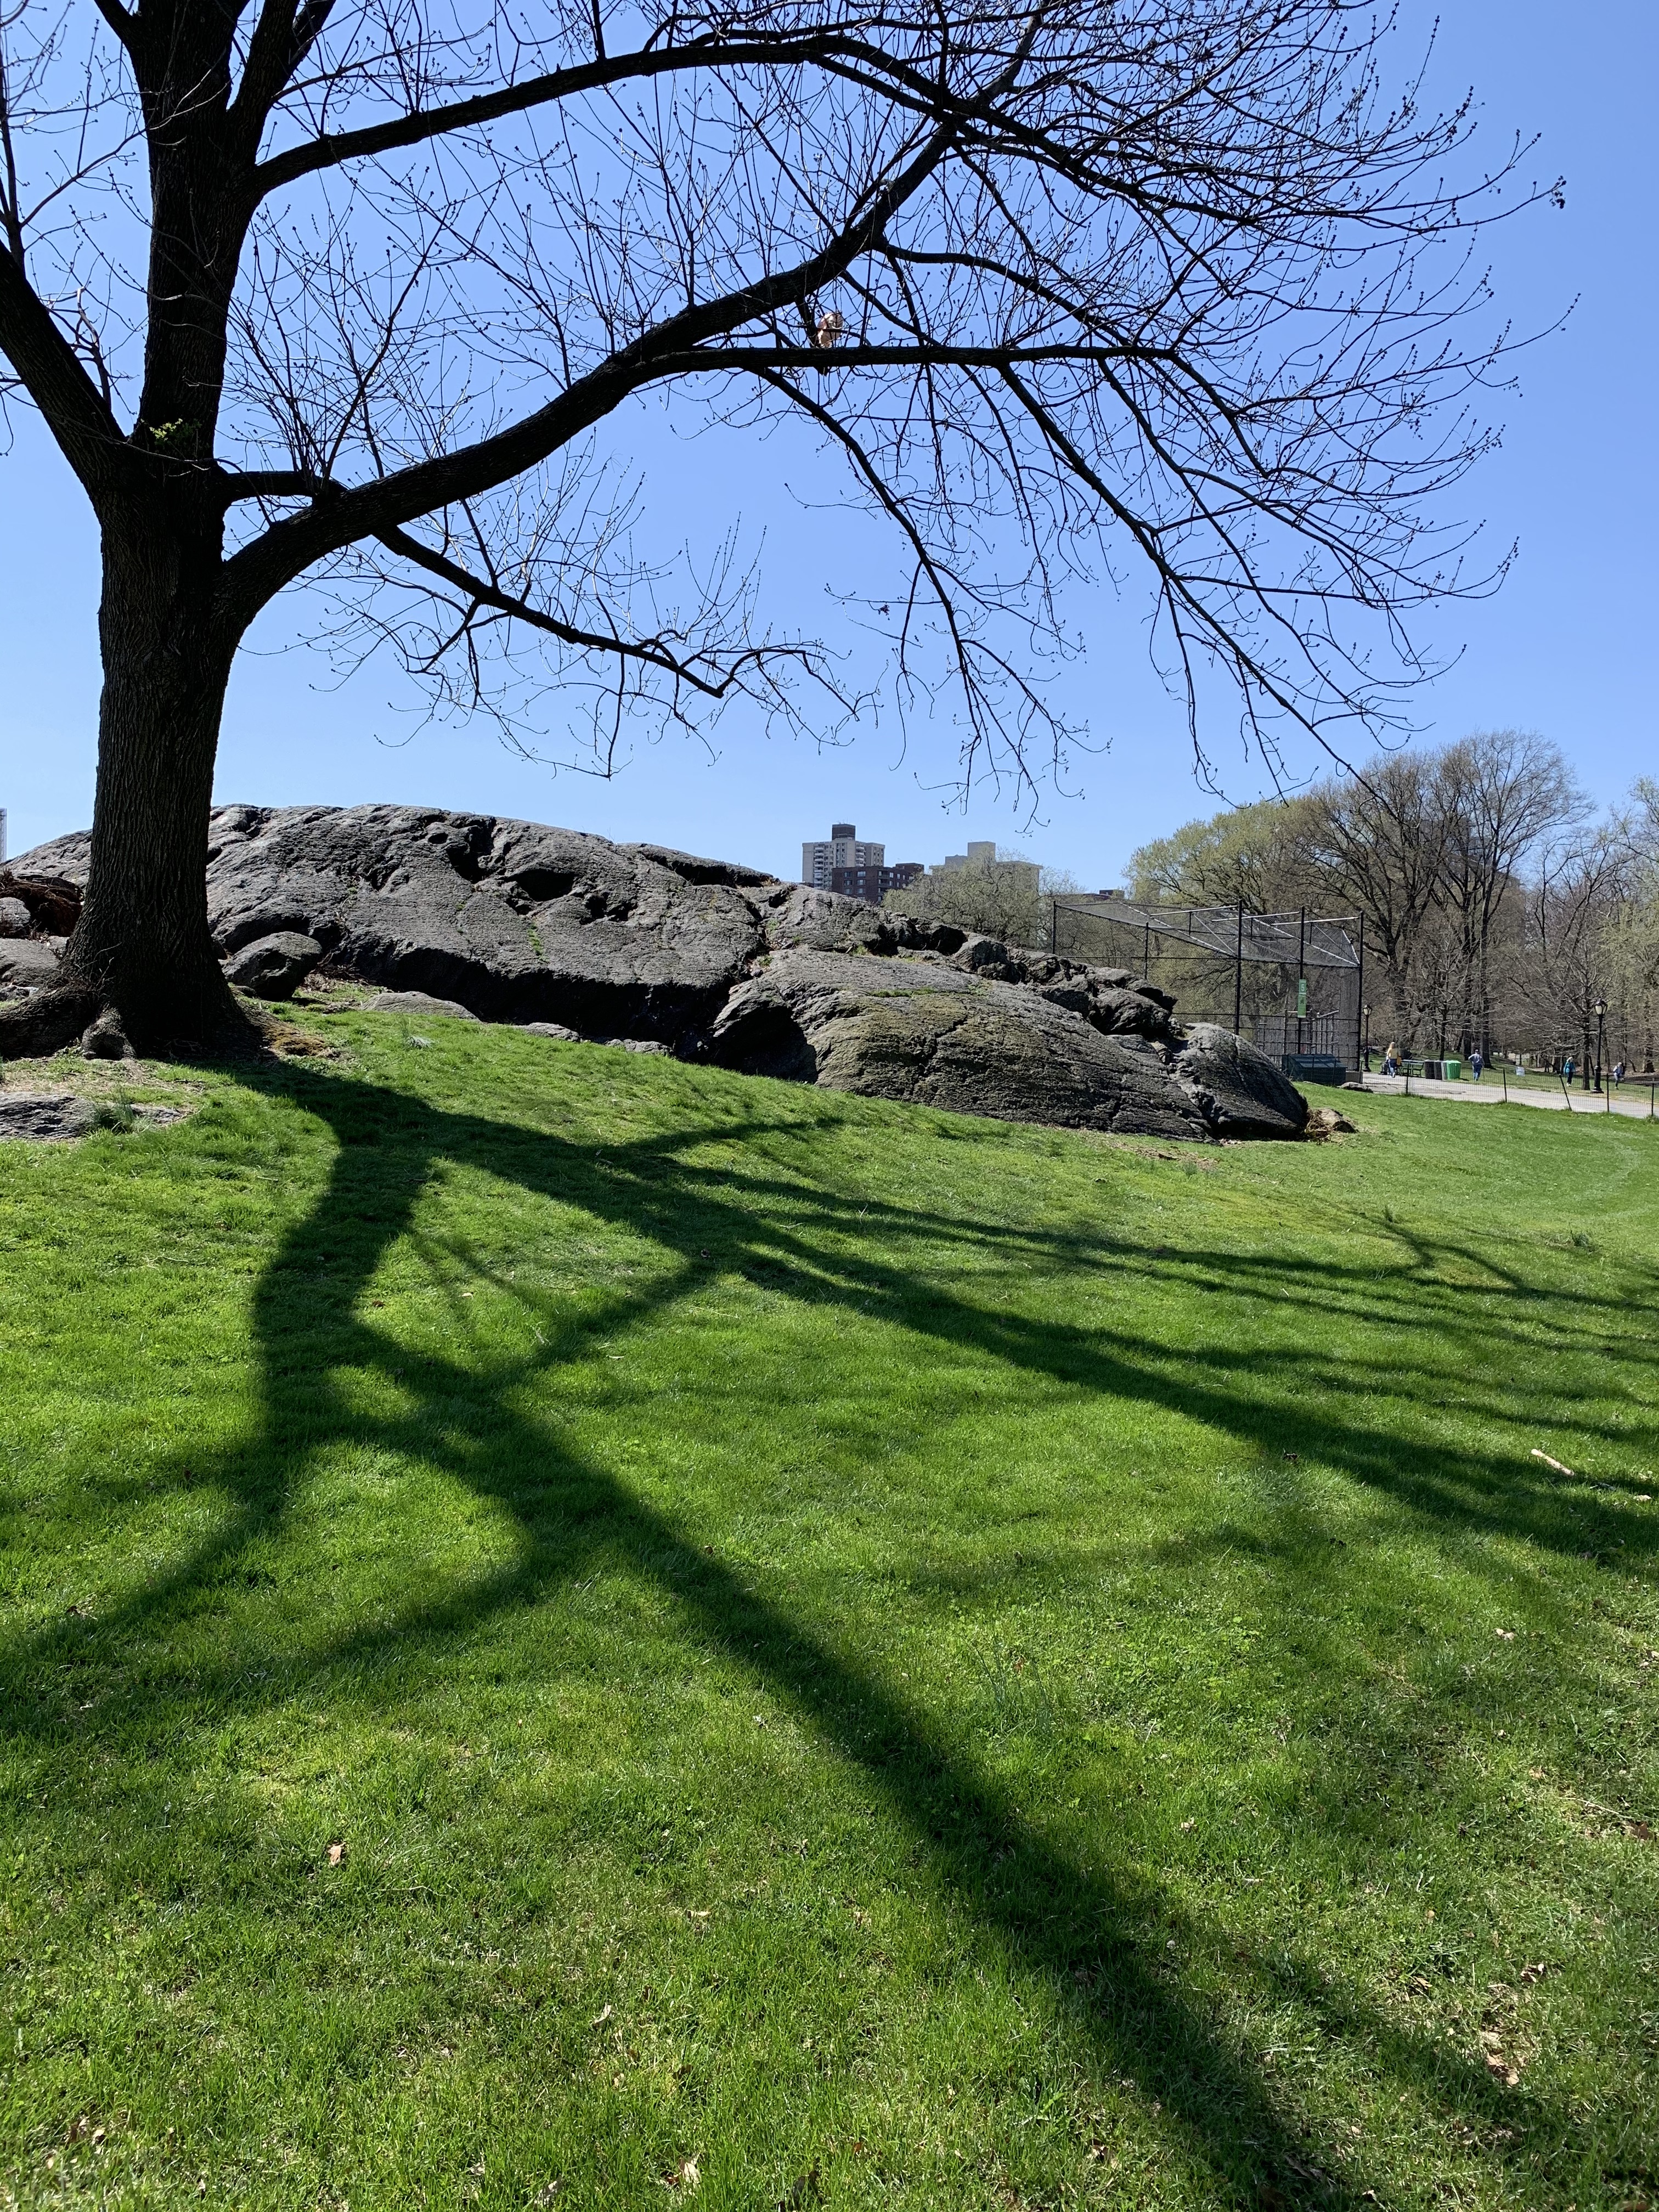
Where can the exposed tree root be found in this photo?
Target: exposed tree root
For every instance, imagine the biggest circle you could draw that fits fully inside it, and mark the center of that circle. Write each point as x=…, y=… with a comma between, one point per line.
x=67, y=1012
x=31, y=1029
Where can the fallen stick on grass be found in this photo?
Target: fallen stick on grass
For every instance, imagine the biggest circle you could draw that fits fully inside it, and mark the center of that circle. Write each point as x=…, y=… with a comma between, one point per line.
x=1555, y=1463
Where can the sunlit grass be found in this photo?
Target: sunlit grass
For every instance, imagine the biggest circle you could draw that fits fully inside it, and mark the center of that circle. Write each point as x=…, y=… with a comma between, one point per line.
x=579, y=1630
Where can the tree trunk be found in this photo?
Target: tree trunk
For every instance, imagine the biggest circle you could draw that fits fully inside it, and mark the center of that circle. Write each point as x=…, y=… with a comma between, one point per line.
x=142, y=948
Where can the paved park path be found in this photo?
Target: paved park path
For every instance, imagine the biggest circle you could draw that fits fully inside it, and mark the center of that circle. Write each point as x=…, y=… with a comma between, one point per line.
x=1633, y=1104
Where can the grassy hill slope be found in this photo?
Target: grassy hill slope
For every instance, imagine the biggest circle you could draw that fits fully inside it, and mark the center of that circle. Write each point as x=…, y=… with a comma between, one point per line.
x=579, y=1631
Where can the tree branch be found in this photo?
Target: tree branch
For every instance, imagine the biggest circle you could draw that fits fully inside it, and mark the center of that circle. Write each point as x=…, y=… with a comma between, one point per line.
x=281, y=39
x=235, y=485
x=125, y=25
x=330, y=151
x=826, y=358
x=652, y=651
x=927, y=564
x=288, y=548
x=54, y=376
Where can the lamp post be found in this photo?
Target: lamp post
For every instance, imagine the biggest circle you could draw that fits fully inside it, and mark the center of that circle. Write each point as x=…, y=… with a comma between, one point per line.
x=1600, y=1032
x=1365, y=1016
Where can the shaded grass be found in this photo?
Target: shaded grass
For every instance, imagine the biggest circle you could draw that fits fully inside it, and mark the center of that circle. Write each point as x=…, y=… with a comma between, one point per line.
x=894, y=1657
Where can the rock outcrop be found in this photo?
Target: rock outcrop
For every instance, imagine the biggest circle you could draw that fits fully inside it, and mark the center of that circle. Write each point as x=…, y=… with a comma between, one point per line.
x=517, y=921
x=420, y=1002
x=57, y=1116
x=1239, y=1090
x=274, y=967
x=52, y=1116
x=565, y=933
x=940, y=1035
x=27, y=963
x=50, y=901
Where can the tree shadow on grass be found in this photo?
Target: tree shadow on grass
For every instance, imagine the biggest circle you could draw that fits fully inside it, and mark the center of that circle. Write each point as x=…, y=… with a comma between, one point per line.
x=1084, y=1929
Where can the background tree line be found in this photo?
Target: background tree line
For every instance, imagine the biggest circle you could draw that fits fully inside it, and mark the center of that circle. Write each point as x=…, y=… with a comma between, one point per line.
x=1499, y=908
x=1006, y=897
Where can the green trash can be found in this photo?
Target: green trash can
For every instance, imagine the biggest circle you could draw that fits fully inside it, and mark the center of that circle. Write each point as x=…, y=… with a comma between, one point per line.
x=1454, y=1071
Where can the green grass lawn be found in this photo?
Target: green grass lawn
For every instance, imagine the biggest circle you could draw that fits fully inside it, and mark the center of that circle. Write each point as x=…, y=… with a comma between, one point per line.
x=584, y=1631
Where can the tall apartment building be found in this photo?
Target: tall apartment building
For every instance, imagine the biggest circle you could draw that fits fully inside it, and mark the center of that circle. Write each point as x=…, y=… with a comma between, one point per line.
x=856, y=867
x=842, y=848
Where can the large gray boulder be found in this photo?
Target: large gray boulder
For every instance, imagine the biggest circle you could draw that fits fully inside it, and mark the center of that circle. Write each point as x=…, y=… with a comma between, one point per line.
x=935, y=1033
x=567, y=933
x=274, y=967
x=420, y=1002
x=27, y=963
x=519, y=921
x=1237, y=1089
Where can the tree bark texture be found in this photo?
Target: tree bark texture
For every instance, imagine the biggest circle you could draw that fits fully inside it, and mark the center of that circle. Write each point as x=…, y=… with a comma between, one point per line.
x=142, y=941
x=142, y=947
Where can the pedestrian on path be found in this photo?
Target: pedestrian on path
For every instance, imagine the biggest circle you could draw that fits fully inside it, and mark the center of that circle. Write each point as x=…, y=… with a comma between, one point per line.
x=1476, y=1063
x=1618, y=1073
x=1391, y=1060
x=1566, y=1069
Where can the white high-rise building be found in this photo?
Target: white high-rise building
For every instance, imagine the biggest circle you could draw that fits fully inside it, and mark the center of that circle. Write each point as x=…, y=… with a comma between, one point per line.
x=841, y=849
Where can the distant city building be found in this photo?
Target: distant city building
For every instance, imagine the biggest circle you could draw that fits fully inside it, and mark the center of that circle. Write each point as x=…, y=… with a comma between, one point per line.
x=981, y=857
x=981, y=853
x=853, y=866
x=842, y=848
x=874, y=883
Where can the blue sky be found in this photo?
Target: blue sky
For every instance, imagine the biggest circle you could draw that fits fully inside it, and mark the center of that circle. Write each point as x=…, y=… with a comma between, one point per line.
x=1565, y=648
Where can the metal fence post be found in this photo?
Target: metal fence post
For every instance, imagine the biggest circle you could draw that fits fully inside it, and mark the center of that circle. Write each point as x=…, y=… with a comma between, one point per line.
x=1360, y=1008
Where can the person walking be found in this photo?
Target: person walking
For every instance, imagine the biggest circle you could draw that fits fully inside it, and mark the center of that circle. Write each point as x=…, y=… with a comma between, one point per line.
x=1566, y=1069
x=1476, y=1063
x=1391, y=1060
x=1618, y=1073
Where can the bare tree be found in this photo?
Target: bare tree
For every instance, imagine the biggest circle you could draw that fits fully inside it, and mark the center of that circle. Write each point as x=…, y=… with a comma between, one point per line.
x=1581, y=884
x=1632, y=936
x=347, y=292
x=999, y=897
x=1502, y=793
x=1382, y=837
x=1592, y=935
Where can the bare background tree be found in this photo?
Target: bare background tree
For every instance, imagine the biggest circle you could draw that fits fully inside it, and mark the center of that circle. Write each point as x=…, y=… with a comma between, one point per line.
x=1000, y=896
x=1496, y=914
x=1504, y=794
x=1592, y=938
x=347, y=292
